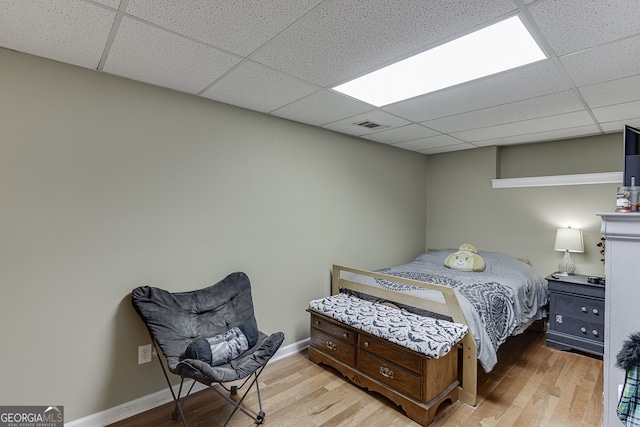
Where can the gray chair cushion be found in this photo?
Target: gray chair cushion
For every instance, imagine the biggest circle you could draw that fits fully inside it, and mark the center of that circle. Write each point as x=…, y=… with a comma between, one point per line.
x=176, y=319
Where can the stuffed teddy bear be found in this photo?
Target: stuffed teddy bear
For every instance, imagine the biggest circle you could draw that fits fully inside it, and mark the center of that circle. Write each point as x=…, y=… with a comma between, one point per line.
x=465, y=259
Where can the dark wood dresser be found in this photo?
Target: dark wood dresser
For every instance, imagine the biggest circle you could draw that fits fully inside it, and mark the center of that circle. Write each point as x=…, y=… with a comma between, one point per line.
x=410, y=379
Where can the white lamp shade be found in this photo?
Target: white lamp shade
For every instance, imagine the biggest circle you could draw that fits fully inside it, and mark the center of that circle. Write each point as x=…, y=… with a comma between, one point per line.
x=569, y=239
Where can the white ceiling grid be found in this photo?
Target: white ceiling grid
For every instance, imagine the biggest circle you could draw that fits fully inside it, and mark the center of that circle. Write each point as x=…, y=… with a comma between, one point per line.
x=281, y=57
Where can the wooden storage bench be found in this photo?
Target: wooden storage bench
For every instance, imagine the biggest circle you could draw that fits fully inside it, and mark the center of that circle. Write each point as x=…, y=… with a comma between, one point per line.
x=414, y=381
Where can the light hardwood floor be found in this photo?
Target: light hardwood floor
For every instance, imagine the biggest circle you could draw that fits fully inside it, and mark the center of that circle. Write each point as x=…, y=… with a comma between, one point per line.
x=532, y=385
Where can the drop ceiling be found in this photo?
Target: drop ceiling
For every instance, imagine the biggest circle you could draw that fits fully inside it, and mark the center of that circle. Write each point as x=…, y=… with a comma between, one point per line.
x=282, y=57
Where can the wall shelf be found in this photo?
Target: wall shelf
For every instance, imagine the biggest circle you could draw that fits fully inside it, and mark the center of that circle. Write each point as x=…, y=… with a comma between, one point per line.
x=547, y=181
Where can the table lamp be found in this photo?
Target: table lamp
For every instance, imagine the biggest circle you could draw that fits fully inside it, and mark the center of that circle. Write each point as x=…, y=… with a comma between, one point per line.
x=568, y=240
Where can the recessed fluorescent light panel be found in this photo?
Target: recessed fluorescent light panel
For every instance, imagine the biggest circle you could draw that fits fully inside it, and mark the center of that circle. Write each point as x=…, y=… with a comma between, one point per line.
x=502, y=46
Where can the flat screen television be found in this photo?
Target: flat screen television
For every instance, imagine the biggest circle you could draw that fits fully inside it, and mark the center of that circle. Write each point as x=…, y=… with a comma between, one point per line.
x=631, y=155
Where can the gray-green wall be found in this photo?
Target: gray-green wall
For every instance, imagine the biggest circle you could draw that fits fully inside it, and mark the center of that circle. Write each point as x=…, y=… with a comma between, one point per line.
x=107, y=184
x=462, y=206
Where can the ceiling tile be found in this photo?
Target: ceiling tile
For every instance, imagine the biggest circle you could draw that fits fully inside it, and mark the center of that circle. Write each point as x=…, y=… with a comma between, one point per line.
x=615, y=61
x=404, y=133
x=618, y=126
x=342, y=39
x=237, y=26
x=612, y=92
x=143, y=52
x=627, y=110
x=257, y=87
x=541, y=78
x=571, y=26
x=69, y=31
x=447, y=148
x=111, y=3
x=348, y=125
x=551, y=135
x=282, y=58
x=560, y=121
x=322, y=107
x=547, y=105
x=427, y=143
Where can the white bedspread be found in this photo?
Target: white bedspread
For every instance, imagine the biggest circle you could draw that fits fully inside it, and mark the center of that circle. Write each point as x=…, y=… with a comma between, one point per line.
x=497, y=302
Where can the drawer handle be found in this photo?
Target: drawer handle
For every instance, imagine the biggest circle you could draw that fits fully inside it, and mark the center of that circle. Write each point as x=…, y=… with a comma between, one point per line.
x=330, y=345
x=595, y=311
x=366, y=344
x=317, y=323
x=345, y=335
x=386, y=372
x=595, y=333
x=584, y=309
x=583, y=330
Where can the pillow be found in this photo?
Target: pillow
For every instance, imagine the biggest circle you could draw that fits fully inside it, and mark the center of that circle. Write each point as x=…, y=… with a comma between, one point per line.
x=466, y=259
x=223, y=348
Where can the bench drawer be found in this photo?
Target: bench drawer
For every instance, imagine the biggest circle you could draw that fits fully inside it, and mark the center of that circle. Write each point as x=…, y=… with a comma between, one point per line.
x=390, y=374
x=385, y=350
x=333, y=328
x=335, y=348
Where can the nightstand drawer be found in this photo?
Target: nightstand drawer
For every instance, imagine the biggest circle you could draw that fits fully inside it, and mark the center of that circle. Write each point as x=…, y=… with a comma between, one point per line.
x=578, y=316
x=580, y=287
x=578, y=327
x=587, y=309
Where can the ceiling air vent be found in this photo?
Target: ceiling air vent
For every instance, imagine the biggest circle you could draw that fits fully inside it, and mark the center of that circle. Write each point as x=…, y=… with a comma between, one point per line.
x=371, y=125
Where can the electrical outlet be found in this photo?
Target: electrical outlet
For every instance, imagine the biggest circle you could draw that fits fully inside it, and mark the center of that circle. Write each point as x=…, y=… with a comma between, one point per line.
x=144, y=354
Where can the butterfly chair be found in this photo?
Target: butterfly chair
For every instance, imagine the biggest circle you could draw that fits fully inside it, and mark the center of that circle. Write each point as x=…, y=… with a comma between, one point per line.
x=205, y=335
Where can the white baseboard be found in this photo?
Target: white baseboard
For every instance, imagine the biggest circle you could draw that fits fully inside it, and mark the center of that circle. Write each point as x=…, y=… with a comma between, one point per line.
x=151, y=401
x=289, y=350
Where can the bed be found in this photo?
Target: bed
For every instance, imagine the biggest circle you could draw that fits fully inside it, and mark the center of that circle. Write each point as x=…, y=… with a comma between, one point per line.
x=503, y=300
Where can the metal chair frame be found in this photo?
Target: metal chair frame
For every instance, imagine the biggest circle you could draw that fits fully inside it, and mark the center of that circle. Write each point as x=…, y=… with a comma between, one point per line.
x=179, y=400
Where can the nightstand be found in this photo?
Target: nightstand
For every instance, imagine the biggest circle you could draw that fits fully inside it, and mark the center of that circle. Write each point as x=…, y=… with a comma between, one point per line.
x=576, y=314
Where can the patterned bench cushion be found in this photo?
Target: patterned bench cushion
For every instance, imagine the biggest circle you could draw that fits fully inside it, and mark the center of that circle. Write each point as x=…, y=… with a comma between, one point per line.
x=432, y=337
